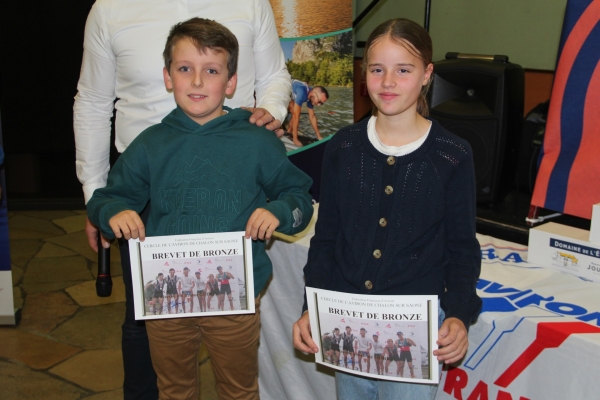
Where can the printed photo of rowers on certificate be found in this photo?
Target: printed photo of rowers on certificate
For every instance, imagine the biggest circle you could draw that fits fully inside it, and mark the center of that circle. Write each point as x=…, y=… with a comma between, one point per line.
x=192, y=275
x=383, y=337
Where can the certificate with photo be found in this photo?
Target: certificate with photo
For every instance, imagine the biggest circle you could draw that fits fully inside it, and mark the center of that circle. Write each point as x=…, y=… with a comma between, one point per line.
x=382, y=337
x=192, y=275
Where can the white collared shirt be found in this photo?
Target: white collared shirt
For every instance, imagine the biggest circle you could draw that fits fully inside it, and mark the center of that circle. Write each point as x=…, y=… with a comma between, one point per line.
x=122, y=59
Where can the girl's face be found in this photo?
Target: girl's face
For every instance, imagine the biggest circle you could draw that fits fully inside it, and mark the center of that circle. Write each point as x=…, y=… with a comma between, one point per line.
x=395, y=77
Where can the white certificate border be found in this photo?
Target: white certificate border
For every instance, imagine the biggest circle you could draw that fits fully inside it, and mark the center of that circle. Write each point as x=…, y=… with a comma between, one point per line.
x=432, y=327
x=138, y=285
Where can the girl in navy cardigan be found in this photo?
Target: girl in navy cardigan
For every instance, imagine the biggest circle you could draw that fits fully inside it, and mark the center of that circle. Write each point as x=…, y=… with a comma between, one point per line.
x=397, y=207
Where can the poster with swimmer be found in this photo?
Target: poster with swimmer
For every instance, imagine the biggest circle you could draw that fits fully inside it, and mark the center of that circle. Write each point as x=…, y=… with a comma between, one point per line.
x=192, y=275
x=316, y=38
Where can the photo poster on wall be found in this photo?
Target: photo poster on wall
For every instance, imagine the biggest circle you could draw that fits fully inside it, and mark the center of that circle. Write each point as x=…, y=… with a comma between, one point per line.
x=7, y=311
x=316, y=39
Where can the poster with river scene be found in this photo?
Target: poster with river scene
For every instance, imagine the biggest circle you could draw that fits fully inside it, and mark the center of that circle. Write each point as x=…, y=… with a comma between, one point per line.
x=316, y=38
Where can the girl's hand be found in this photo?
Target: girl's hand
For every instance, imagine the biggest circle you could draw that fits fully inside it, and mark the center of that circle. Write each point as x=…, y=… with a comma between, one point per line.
x=128, y=225
x=301, y=335
x=453, y=341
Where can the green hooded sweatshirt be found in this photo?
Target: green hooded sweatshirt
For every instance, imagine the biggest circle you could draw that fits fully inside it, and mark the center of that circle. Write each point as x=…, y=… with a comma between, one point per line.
x=204, y=179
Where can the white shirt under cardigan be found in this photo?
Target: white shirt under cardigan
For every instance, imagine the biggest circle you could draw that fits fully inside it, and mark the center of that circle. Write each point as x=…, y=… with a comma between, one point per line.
x=122, y=59
x=396, y=151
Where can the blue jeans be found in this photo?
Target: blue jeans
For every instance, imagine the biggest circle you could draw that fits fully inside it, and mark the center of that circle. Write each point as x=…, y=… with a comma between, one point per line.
x=354, y=387
x=140, y=378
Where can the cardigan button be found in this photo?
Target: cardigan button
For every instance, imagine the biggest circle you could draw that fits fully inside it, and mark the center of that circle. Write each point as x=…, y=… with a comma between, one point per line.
x=389, y=190
x=369, y=285
x=391, y=160
x=377, y=253
x=382, y=222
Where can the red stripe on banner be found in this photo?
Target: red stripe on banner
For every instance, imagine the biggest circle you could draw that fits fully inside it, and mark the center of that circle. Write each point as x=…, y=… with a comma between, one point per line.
x=552, y=136
x=549, y=335
x=583, y=188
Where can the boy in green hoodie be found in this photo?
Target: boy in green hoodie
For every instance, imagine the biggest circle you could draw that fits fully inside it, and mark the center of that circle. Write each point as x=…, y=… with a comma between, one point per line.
x=204, y=169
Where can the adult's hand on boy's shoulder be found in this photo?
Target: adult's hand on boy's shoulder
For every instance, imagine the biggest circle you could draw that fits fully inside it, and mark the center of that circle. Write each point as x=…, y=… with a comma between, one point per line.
x=453, y=341
x=261, y=224
x=262, y=117
x=92, y=234
x=128, y=225
x=301, y=335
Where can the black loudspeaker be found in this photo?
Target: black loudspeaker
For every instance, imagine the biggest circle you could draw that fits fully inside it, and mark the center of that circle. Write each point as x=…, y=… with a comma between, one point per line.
x=481, y=100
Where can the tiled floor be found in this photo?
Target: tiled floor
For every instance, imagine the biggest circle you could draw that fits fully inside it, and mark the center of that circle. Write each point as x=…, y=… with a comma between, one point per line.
x=67, y=344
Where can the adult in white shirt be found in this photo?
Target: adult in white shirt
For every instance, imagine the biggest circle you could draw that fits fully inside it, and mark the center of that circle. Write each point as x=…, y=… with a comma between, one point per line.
x=122, y=61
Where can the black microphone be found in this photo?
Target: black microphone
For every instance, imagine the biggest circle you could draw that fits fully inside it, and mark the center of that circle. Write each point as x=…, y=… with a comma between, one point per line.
x=103, y=281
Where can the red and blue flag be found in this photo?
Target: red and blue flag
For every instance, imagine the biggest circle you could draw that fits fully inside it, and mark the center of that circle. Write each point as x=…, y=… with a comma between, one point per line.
x=568, y=179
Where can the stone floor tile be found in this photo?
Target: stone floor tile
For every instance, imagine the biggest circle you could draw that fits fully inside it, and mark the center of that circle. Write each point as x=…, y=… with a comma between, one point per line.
x=111, y=395
x=21, y=251
x=41, y=287
x=42, y=312
x=85, y=293
x=18, y=383
x=20, y=234
x=32, y=224
x=93, y=328
x=78, y=242
x=18, y=297
x=48, y=214
x=73, y=223
x=16, y=273
x=85, y=368
x=52, y=250
x=32, y=350
x=57, y=269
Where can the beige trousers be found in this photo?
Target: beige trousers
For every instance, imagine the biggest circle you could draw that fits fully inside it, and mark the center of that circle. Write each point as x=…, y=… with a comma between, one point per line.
x=231, y=341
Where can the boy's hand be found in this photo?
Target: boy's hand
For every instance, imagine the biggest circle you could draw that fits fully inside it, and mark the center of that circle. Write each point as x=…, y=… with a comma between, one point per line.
x=301, y=335
x=261, y=225
x=453, y=341
x=128, y=224
x=262, y=117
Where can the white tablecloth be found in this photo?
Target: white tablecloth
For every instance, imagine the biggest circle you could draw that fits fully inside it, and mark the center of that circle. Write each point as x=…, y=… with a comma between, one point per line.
x=522, y=302
x=285, y=373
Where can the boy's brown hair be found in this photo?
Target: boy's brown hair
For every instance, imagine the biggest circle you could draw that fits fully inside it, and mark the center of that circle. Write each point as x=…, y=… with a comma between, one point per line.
x=205, y=34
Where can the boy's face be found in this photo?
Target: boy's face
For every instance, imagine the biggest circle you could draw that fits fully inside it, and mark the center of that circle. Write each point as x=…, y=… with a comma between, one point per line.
x=199, y=81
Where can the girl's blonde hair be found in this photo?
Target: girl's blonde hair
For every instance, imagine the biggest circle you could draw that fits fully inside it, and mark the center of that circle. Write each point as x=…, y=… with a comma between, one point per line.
x=415, y=39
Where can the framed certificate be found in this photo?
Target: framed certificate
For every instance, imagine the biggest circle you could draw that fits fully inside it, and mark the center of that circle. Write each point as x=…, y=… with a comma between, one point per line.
x=192, y=275
x=382, y=337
